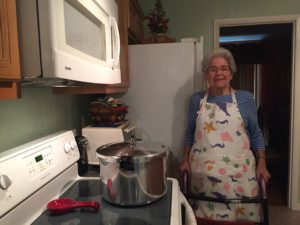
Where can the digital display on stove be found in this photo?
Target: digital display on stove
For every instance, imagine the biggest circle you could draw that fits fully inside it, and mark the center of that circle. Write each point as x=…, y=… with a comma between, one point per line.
x=38, y=158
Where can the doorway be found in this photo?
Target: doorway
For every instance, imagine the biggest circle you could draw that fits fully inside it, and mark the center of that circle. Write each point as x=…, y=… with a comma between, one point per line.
x=263, y=56
x=265, y=52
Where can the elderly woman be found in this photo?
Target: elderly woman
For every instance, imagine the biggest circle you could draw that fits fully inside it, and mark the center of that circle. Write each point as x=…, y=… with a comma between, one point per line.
x=221, y=136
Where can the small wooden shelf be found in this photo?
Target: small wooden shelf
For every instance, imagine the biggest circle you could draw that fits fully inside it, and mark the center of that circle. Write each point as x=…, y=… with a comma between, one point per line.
x=159, y=38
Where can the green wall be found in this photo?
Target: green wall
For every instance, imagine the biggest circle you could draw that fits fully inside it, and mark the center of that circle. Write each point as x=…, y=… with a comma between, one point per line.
x=38, y=113
x=194, y=18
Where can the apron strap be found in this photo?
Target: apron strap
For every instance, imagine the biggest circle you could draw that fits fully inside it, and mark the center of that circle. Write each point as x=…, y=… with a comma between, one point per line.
x=234, y=101
x=203, y=102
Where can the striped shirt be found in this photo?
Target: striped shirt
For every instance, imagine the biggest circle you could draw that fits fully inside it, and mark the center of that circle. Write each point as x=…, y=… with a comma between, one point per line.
x=247, y=107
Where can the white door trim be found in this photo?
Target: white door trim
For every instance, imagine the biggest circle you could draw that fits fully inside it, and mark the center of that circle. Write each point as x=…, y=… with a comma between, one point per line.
x=294, y=159
x=294, y=192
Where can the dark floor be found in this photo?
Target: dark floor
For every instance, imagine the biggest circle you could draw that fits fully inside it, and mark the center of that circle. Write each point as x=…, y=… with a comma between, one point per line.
x=279, y=213
x=282, y=215
x=276, y=196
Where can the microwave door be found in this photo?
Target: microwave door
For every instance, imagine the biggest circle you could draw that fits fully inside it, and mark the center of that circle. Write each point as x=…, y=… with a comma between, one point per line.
x=84, y=30
x=115, y=41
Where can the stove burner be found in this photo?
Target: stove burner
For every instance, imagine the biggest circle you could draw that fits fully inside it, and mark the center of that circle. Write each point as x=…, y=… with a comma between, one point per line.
x=158, y=212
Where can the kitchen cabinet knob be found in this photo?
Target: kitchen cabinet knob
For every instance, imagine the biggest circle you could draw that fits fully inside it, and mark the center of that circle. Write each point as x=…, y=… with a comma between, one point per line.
x=5, y=182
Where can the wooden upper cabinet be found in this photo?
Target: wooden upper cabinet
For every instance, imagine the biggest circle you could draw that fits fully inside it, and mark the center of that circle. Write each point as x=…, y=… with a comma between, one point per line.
x=136, y=19
x=9, y=51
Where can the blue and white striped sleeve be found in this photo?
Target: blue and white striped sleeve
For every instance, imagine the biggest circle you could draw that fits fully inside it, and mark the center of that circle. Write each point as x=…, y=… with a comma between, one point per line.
x=248, y=110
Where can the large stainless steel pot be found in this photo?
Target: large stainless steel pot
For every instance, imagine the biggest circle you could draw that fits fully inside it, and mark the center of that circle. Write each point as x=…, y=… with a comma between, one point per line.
x=133, y=173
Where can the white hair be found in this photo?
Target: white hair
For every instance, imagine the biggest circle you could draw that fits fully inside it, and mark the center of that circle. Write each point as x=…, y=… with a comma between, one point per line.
x=219, y=52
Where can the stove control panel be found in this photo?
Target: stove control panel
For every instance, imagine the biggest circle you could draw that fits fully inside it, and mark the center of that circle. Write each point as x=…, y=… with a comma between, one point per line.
x=25, y=169
x=40, y=161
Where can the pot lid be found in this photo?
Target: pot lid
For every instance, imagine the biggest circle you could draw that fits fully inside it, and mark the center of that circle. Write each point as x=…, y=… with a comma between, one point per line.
x=138, y=149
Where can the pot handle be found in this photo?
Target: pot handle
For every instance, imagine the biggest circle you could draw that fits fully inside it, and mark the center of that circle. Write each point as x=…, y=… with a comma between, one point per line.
x=110, y=189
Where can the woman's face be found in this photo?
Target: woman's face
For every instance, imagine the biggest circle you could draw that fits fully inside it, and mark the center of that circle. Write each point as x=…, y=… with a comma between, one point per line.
x=218, y=74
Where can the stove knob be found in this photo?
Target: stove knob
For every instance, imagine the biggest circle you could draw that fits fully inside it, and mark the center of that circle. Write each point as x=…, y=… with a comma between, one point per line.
x=73, y=145
x=67, y=147
x=5, y=182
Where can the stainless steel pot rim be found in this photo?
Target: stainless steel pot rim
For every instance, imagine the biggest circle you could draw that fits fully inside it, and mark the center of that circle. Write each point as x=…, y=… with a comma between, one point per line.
x=136, y=159
x=138, y=151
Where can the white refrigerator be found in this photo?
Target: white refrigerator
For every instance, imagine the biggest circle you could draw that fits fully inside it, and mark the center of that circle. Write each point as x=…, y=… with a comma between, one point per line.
x=162, y=79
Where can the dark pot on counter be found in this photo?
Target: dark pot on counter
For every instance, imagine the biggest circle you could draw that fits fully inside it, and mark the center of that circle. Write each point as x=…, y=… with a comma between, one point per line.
x=133, y=173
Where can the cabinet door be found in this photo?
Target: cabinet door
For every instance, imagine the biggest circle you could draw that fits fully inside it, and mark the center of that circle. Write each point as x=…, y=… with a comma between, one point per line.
x=136, y=18
x=9, y=51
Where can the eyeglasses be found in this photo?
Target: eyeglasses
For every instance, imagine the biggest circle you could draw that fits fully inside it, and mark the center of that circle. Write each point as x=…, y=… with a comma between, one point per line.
x=222, y=69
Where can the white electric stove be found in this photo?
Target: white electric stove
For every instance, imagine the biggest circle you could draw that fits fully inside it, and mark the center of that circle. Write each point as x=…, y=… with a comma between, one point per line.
x=33, y=174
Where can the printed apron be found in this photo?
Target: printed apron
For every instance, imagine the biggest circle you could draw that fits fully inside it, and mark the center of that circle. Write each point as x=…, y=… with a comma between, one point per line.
x=222, y=164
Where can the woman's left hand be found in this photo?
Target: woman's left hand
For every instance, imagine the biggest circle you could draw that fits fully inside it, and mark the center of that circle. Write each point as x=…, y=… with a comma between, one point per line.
x=262, y=171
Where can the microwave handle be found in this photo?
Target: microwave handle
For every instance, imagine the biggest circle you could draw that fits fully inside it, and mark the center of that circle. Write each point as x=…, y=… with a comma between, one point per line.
x=114, y=26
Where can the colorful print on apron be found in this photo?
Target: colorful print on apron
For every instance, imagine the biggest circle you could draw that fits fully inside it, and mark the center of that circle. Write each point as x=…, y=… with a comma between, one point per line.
x=222, y=164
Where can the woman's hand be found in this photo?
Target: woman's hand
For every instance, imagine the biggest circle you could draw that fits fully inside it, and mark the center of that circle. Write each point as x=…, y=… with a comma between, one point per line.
x=261, y=170
x=184, y=165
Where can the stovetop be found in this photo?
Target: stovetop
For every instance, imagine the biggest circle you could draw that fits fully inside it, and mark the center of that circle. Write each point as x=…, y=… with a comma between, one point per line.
x=45, y=169
x=157, y=213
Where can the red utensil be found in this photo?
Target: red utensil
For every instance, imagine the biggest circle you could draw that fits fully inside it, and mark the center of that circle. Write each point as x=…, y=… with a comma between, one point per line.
x=64, y=205
x=111, y=189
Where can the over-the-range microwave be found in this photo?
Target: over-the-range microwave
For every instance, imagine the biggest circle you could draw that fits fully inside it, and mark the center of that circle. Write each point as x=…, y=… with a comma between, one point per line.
x=68, y=41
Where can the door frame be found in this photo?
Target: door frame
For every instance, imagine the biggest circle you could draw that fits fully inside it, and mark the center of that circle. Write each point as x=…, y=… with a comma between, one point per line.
x=294, y=149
